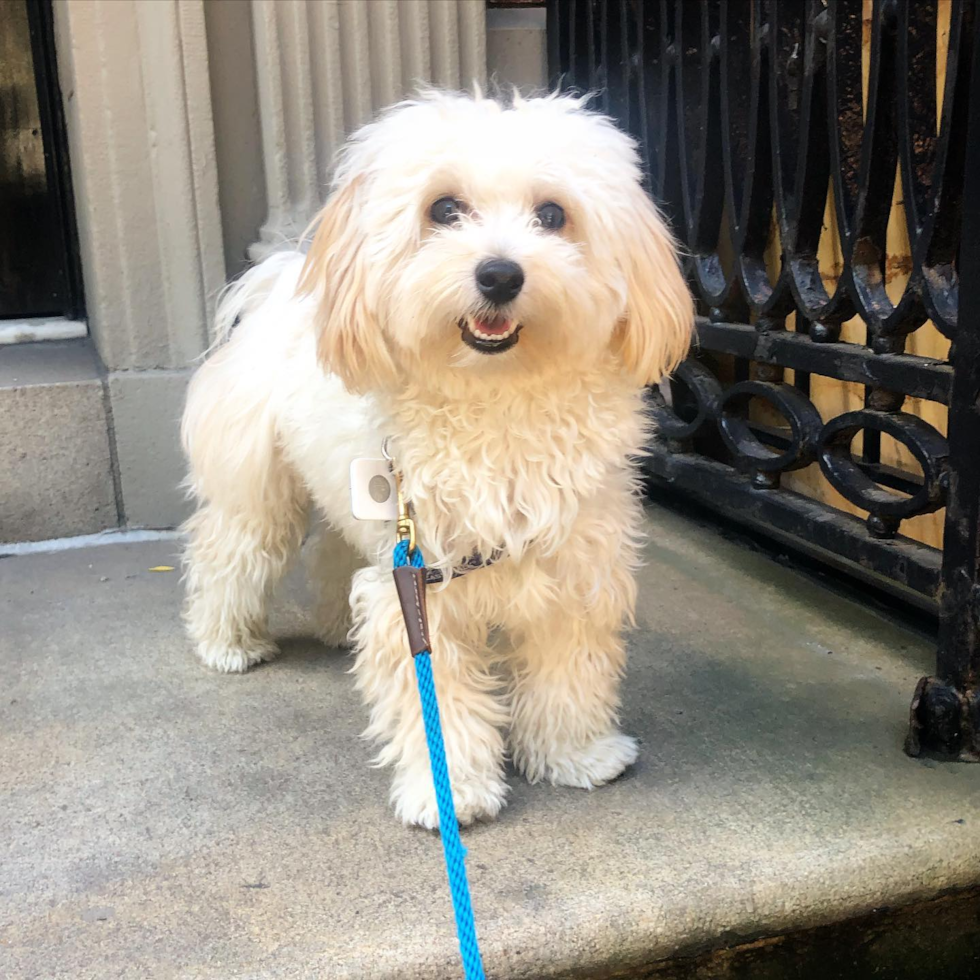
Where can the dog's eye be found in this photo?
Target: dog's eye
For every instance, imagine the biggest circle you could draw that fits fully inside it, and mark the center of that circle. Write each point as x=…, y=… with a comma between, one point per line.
x=446, y=211
x=551, y=216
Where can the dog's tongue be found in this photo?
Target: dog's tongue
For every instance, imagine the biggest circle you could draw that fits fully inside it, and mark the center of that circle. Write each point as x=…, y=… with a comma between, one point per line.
x=498, y=324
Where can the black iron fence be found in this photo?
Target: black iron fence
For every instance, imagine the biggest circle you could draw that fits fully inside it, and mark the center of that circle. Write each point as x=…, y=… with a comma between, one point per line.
x=752, y=115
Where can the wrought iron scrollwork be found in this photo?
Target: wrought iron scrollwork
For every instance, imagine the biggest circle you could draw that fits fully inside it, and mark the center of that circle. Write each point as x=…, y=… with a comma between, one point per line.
x=885, y=507
x=809, y=439
x=748, y=448
x=757, y=119
x=706, y=393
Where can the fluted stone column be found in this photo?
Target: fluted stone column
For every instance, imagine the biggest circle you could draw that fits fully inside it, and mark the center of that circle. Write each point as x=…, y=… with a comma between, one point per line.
x=138, y=109
x=324, y=68
x=136, y=92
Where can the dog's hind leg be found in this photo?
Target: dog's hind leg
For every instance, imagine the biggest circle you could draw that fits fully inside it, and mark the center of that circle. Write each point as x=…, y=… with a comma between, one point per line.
x=330, y=563
x=233, y=560
x=250, y=520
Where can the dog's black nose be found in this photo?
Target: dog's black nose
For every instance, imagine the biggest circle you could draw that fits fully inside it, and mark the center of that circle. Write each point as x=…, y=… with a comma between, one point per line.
x=500, y=280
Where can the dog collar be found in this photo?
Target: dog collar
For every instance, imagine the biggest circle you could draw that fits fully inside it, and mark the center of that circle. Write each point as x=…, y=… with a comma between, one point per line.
x=474, y=562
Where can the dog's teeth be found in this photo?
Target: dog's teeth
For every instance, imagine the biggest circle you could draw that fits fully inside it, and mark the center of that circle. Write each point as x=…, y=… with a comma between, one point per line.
x=491, y=336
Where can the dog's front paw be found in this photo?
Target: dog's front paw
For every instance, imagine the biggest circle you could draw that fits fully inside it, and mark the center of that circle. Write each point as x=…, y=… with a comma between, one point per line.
x=236, y=658
x=414, y=798
x=603, y=760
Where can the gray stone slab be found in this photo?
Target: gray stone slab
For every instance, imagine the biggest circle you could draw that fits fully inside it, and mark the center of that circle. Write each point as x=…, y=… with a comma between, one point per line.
x=161, y=821
x=146, y=410
x=51, y=362
x=55, y=466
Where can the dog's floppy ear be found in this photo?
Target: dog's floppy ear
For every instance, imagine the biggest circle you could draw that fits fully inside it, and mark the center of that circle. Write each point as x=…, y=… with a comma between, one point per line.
x=655, y=334
x=350, y=342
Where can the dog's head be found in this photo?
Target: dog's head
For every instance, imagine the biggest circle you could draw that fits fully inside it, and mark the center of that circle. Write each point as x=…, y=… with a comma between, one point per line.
x=473, y=238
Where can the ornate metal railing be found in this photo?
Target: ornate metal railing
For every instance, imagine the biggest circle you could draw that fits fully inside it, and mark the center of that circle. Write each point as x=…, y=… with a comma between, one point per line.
x=751, y=116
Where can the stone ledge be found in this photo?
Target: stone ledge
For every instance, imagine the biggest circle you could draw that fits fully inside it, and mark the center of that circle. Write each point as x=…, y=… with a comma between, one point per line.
x=160, y=820
x=55, y=458
x=65, y=424
x=146, y=411
x=49, y=363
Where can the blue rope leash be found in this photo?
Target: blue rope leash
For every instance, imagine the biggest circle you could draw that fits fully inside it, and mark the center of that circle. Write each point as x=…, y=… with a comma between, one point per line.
x=452, y=846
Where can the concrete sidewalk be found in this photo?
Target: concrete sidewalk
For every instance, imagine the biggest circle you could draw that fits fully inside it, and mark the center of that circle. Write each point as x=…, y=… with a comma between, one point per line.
x=161, y=821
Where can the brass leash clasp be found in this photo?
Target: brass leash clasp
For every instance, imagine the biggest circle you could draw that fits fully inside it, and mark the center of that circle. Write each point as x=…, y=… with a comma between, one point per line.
x=404, y=526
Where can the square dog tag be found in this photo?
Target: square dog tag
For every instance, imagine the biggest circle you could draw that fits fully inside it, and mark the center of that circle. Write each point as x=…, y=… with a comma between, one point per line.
x=373, y=496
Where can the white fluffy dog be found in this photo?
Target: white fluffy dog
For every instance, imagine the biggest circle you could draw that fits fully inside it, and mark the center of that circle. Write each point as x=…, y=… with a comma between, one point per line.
x=490, y=288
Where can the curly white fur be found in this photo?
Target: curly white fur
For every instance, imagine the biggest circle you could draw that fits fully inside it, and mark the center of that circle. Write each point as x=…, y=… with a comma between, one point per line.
x=530, y=450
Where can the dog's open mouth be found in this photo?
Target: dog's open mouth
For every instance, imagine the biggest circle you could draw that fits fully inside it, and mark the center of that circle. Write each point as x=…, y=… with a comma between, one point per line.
x=490, y=335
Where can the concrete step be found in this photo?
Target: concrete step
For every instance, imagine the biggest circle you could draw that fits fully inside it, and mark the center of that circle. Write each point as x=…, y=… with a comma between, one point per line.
x=160, y=821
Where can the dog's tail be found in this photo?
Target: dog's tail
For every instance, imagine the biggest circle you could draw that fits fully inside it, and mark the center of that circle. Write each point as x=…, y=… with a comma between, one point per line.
x=249, y=291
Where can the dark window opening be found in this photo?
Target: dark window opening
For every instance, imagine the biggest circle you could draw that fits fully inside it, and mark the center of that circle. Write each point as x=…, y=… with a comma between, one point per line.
x=39, y=271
